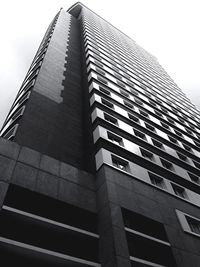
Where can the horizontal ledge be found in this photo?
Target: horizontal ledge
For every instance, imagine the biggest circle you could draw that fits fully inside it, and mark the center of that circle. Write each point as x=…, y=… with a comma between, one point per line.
x=147, y=236
x=49, y=221
x=48, y=252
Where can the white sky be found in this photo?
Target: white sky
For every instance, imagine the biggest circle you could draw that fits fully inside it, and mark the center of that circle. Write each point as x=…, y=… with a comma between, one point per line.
x=169, y=29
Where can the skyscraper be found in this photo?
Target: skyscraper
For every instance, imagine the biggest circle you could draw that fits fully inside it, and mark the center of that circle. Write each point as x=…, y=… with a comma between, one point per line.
x=102, y=163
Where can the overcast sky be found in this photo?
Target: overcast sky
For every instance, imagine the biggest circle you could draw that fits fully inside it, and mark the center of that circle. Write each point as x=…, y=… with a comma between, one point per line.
x=169, y=29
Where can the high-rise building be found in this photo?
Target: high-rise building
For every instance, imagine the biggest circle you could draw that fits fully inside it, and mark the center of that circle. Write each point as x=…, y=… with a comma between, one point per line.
x=102, y=162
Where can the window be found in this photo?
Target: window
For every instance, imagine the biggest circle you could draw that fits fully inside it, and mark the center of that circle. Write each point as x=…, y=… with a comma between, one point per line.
x=110, y=119
x=124, y=93
x=191, y=126
x=179, y=191
x=158, y=144
x=100, y=71
x=188, y=131
x=151, y=128
x=11, y=133
x=196, y=164
x=153, y=247
x=194, y=178
x=115, y=139
x=98, y=63
x=164, y=125
x=39, y=220
x=178, y=133
x=103, y=90
x=143, y=113
x=158, y=113
x=182, y=157
x=188, y=148
x=134, y=91
x=128, y=104
x=156, y=180
x=130, y=84
x=121, y=84
x=194, y=224
x=166, y=164
x=120, y=163
x=152, y=103
x=181, y=120
x=137, y=101
x=164, y=110
x=146, y=154
x=170, y=120
x=118, y=76
x=173, y=140
x=139, y=134
x=197, y=143
x=107, y=103
x=102, y=80
x=133, y=118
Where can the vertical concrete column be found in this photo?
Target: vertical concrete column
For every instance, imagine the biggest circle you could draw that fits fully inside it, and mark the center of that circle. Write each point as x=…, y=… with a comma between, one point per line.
x=113, y=244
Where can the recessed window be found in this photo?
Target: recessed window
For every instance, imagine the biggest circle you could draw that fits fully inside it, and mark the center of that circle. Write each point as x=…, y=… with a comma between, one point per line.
x=133, y=118
x=181, y=120
x=196, y=164
x=179, y=191
x=157, y=144
x=119, y=163
x=174, y=110
x=137, y=101
x=184, y=116
x=194, y=178
x=189, y=223
x=167, y=164
x=107, y=103
x=188, y=148
x=156, y=180
x=164, y=125
x=143, y=113
x=148, y=95
x=128, y=104
x=173, y=140
x=134, y=91
x=170, y=120
x=197, y=143
x=151, y=128
x=164, y=110
x=182, y=157
x=98, y=63
x=146, y=154
x=188, y=131
x=191, y=126
x=110, y=119
x=121, y=84
x=118, y=76
x=124, y=93
x=115, y=139
x=194, y=225
x=152, y=103
x=139, y=134
x=159, y=101
x=130, y=84
x=102, y=80
x=178, y=133
x=103, y=90
x=158, y=113
x=100, y=71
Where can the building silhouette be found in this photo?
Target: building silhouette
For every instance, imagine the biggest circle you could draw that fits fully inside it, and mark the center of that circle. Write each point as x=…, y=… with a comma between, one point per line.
x=99, y=156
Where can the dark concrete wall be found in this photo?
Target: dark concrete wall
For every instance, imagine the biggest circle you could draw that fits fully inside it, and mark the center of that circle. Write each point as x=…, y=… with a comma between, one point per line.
x=30, y=169
x=116, y=190
x=52, y=121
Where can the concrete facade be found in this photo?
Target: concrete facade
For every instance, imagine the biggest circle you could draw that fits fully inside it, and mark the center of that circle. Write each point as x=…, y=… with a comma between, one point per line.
x=102, y=164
